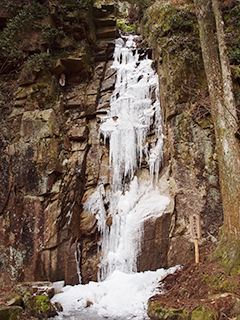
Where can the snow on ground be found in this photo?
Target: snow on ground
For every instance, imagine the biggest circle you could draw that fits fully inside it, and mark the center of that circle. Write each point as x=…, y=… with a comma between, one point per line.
x=120, y=296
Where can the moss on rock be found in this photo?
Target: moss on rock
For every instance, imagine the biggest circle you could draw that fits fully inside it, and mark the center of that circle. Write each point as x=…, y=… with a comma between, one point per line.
x=163, y=313
x=229, y=253
x=10, y=313
x=202, y=313
x=41, y=307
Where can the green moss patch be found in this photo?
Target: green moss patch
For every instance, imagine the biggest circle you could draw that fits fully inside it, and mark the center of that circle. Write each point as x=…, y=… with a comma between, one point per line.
x=41, y=307
x=202, y=313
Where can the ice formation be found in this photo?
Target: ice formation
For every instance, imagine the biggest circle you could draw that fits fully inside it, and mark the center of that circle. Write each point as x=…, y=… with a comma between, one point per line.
x=134, y=106
x=135, y=110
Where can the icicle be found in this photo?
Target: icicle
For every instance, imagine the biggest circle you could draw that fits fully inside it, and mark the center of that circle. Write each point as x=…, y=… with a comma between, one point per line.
x=78, y=260
x=156, y=158
x=131, y=104
x=134, y=107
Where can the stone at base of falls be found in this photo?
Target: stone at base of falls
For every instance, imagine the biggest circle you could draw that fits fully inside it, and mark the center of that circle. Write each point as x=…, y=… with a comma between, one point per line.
x=58, y=306
x=155, y=243
x=10, y=312
x=41, y=307
x=163, y=313
x=89, y=303
x=29, y=299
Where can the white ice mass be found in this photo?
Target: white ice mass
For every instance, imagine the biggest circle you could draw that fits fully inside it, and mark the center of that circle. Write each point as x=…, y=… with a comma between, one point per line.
x=122, y=293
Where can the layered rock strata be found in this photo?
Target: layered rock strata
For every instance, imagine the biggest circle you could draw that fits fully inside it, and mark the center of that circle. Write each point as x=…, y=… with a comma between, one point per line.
x=50, y=157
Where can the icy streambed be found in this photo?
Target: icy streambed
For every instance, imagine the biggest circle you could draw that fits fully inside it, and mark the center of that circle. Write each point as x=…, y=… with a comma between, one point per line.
x=121, y=296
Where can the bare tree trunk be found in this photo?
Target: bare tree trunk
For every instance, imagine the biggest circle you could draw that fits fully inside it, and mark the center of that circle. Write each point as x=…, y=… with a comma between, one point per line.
x=224, y=116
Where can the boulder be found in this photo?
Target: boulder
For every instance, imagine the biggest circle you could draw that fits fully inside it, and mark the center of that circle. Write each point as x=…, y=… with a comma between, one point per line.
x=41, y=307
x=11, y=313
x=164, y=313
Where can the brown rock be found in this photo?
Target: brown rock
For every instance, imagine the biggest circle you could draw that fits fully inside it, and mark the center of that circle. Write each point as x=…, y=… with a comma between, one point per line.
x=88, y=223
x=90, y=259
x=78, y=133
x=104, y=100
x=94, y=87
x=13, y=312
x=52, y=212
x=106, y=32
x=154, y=244
x=78, y=102
x=72, y=65
x=109, y=82
x=105, y=22
x=105, y=172
x=109, y=221
x=71, y=272
x=39, y=124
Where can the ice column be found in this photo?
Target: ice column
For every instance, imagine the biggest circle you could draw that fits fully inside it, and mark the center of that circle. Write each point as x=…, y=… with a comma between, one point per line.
x=135, y=110
x=132, y=113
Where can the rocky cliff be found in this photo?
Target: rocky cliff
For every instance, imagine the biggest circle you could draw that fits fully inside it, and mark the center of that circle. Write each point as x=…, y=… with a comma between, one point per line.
x=52, y=158
x=189, y=150
x=50, y=155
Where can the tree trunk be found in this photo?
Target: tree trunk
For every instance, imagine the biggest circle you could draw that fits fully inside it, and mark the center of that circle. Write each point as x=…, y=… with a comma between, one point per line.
x=224, y=116
x=225, y=66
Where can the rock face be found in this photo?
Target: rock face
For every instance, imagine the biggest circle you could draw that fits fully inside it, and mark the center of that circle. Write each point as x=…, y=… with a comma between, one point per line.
x=52, y=160
x=189, y=155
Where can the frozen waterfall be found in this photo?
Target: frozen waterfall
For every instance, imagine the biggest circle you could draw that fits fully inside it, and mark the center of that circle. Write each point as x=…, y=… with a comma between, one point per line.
x=131, y=199
x=135, y=110
x=134, y=105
